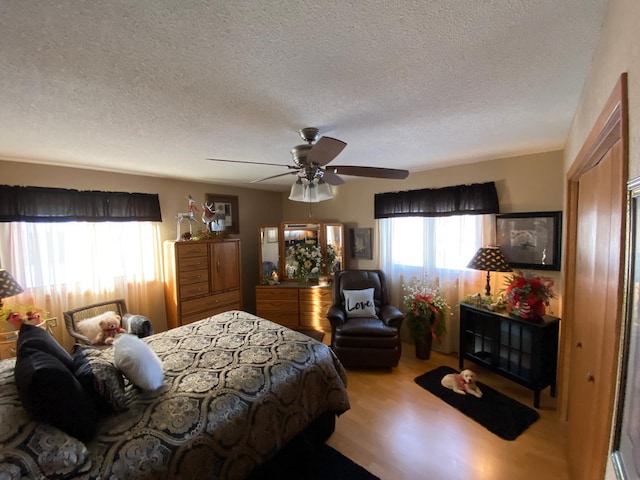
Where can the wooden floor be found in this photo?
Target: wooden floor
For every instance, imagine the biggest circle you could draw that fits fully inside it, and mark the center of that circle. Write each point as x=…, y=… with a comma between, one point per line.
x=397, y=430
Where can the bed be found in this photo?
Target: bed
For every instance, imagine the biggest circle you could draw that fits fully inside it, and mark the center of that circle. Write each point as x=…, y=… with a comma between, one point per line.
x=236, y=389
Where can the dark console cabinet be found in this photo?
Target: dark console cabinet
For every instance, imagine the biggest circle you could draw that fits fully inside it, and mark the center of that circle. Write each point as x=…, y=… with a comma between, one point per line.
x=521, y=350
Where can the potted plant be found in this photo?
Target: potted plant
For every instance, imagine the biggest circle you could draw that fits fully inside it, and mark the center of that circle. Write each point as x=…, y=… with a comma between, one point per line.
x=528, y=295
x=425, y=315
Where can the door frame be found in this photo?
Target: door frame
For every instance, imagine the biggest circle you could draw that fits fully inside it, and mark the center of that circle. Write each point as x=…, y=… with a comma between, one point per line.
x=610, y=127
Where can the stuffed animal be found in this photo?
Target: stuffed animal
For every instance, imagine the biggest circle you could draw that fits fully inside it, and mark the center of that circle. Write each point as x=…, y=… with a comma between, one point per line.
x=462, y=383
x=110, y=329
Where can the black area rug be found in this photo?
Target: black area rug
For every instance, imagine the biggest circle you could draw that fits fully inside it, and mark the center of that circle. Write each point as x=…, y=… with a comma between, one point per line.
x=496, y=412
x=311, y=462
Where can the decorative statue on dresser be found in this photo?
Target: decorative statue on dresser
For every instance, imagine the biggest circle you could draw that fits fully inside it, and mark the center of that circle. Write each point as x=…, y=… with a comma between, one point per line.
x=188, y=215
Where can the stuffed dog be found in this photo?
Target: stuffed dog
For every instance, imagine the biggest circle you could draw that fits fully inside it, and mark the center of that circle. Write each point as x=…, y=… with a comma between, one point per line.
x=462, y=383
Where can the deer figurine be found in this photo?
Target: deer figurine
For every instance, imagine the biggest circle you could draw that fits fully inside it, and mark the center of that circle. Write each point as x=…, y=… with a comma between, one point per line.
x=188, y=215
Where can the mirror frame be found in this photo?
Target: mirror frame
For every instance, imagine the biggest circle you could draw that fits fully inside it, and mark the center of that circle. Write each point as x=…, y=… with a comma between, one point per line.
x=322, y=228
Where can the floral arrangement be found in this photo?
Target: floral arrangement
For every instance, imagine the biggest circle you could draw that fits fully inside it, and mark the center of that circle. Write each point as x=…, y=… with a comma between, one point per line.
x=528, y=295
x=307, y=258
x=425, y=309
x=16, y=315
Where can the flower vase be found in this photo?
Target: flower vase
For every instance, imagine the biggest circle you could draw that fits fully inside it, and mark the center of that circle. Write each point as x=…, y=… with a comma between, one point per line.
x=423, y=348
x=530, y=311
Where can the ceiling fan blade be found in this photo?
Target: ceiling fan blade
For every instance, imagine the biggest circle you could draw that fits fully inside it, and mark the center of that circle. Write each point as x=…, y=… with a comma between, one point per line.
x=274, y=176
x=331, y=178
x=325, y=150
x=252, y=163
x=373, y=172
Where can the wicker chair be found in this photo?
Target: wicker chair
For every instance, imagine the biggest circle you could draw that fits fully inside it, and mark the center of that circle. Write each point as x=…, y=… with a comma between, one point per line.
x=136, y=324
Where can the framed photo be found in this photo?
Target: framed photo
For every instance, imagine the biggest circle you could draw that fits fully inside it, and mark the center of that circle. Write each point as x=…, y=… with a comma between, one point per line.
x=361, y=243
x=226, y=212
x=625, y=455
x=530, y=240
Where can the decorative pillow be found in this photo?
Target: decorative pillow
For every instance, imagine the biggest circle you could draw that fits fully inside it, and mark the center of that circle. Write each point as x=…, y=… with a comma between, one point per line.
x=90, y=327
x=33, y=449
x=35, y=338
x=139, y=325
x=100, y=377
x=51, y=394
x=359, y=303
x=138, y=362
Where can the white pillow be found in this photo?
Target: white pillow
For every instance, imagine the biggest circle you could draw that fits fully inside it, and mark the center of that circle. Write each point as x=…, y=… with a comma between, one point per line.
x=359, y=303
x=135, y=359
x=90, y=327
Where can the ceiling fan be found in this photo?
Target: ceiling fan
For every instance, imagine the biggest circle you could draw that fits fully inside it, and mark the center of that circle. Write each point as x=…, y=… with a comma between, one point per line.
x=314, y=177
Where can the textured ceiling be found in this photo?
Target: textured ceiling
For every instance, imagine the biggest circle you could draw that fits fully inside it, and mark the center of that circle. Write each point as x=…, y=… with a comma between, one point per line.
x=157, y=86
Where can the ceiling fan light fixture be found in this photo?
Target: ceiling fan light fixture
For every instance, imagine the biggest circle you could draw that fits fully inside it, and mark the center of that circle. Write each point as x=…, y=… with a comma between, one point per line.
x=324, y=191
x=297, y=191
x=311, y=193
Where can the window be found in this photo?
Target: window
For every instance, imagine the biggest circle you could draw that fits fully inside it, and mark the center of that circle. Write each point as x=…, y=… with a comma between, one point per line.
x=434, y=242
x=92, y=256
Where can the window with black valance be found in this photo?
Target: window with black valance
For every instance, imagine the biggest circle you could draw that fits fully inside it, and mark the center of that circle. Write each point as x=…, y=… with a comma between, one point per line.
x=42, y=204
x=475, y=199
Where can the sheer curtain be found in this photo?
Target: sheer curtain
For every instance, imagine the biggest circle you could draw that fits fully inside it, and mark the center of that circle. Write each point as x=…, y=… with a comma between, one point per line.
x=438, y=248
x=66, y=265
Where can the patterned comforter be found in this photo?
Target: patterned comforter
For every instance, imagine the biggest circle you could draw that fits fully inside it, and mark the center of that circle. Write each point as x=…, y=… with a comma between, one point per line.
x=236, y=389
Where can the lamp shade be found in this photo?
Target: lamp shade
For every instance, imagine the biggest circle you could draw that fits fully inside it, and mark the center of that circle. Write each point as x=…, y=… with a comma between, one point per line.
x=297, y=191
x=490, y=259
x=8, y=285
x=324, y=191
x=310, y=192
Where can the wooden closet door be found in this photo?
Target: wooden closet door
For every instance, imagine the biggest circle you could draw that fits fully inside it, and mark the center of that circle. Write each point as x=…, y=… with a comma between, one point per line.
x=596, y=315
x=593, y=286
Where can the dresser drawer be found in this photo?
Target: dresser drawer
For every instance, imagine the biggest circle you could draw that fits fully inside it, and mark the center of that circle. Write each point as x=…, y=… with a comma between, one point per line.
x=189, y=264
x=194, y=276
x=191, y=249
x=194, y=289
x=315, y=322
x=288, y=319
x=204, y=305
x=269, y=295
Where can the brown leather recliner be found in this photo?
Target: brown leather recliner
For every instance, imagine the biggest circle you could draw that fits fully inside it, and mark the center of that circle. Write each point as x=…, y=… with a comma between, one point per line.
x=371, y=341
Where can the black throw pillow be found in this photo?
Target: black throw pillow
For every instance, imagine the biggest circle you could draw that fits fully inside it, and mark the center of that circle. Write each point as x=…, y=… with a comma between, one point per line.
x=100, y=377
x=35, y=338
x=51, y=393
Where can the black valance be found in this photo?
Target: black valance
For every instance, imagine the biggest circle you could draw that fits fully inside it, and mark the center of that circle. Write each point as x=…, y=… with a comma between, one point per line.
x=41, y=204
x=476, y=199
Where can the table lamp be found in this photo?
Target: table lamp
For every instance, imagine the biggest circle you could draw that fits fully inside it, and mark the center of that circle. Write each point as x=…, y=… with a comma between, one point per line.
x=490, y=259
x=8, y=286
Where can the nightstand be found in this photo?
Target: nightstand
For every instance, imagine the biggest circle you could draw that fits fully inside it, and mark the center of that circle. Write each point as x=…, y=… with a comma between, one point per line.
x=8, y=339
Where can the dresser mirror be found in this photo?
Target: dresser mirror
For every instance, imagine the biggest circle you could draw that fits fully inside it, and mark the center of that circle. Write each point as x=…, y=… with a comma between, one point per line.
x=269, y=251
x=334, y=235
x=276, y=241
x=296, y=235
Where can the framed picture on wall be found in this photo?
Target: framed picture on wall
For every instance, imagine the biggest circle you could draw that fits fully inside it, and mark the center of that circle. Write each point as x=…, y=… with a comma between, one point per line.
x=361, y=243
x=530, y=240
x=225, y=211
